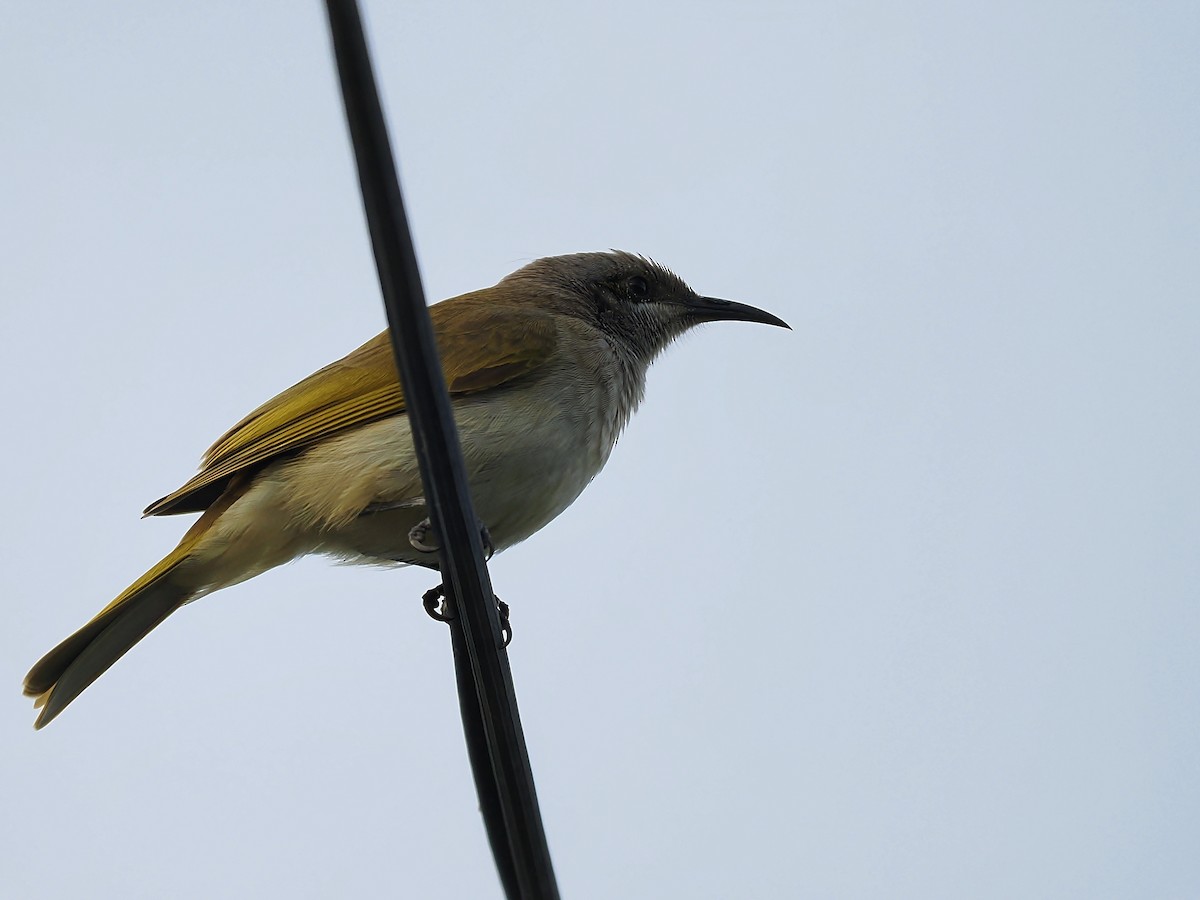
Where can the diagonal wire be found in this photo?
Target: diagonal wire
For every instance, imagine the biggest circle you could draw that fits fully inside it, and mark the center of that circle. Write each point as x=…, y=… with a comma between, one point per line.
x=490, y=718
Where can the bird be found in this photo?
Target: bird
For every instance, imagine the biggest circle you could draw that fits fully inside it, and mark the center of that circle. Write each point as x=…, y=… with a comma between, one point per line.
x=544, y=370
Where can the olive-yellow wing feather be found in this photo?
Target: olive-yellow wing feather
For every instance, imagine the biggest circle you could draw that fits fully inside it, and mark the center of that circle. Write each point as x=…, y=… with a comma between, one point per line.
x=483, y=344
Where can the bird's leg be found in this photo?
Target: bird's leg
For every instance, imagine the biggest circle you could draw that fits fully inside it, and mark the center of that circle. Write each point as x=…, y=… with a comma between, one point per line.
x=434, y=603
x=423, y=538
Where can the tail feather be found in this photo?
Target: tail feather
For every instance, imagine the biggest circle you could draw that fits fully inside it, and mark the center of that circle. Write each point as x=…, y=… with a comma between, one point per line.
x=63, y=673
x=66, y=671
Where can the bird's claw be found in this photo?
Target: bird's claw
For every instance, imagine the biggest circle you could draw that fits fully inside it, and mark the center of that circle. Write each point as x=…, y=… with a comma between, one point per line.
x=434, y=602
x=423, y=537
x=506, y=632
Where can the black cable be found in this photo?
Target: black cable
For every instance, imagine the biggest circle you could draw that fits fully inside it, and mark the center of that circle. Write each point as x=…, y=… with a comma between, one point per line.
x=500, y=761
x=481, y=764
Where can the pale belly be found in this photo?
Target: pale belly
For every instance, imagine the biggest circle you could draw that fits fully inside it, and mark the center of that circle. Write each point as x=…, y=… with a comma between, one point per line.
x=521, y=478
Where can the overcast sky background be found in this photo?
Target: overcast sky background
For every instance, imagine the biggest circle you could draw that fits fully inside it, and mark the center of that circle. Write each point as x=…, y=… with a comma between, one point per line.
x=902, y=604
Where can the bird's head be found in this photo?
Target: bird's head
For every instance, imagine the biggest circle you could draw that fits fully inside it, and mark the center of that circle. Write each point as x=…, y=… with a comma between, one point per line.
x=632, y=299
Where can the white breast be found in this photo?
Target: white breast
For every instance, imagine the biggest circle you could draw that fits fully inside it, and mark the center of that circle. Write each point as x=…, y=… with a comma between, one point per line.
x=533, y=449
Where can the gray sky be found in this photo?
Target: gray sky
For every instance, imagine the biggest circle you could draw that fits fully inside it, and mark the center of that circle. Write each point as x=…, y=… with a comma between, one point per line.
x=900, y=605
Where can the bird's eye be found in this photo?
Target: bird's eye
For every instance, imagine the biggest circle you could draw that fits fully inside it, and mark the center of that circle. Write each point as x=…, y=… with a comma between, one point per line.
x=637, y=288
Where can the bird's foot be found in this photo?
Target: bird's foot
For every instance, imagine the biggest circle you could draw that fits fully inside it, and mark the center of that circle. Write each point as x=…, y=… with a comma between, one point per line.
x=423, y=537
x=436, y=606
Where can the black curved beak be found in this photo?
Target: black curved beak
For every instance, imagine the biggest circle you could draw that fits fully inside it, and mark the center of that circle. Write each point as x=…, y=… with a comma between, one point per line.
x=713, y=309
